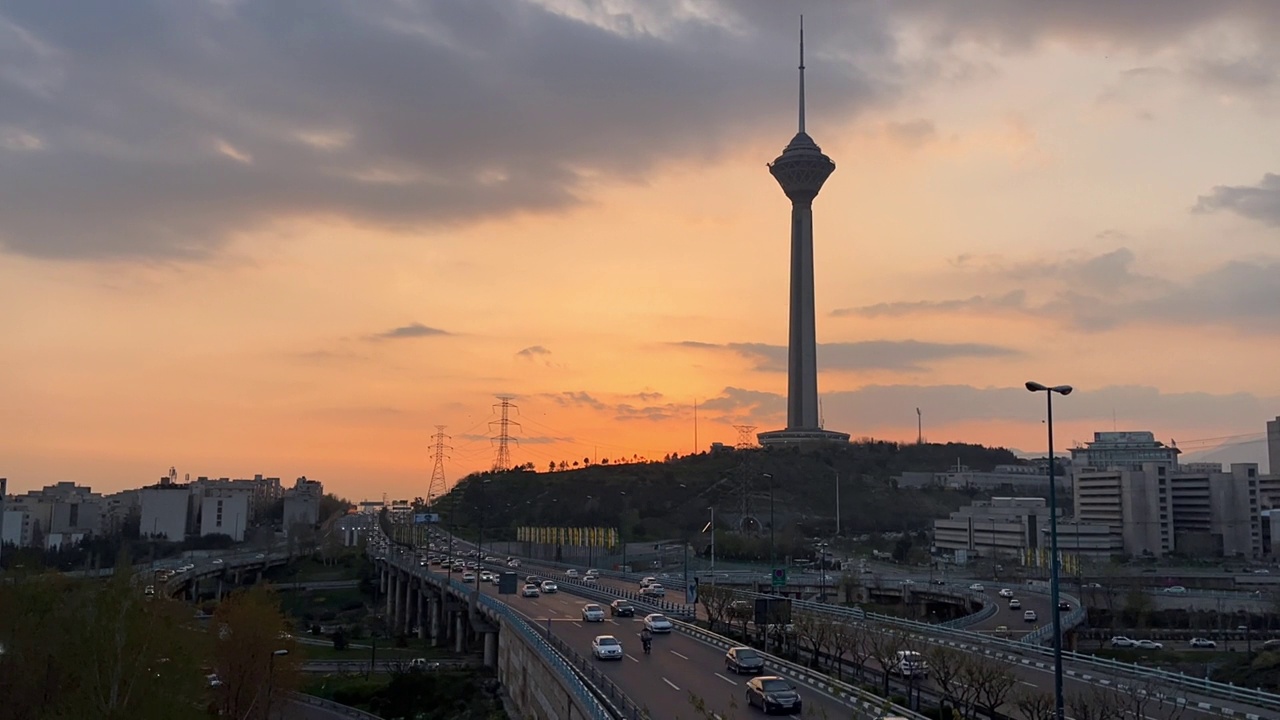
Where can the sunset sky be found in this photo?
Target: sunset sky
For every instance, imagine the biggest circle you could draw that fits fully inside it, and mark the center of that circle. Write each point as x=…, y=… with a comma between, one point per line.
x=291, y=238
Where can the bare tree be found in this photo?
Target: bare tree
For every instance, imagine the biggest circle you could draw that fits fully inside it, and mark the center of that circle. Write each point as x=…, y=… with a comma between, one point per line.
x=859, y=647
x=1151, y=699
x=811, y=631
x=839, y=640
x=885, y=646
x=945, y=665
x=715, y=600
x=1035, y=705
x=992, y=682
x=1097, y=703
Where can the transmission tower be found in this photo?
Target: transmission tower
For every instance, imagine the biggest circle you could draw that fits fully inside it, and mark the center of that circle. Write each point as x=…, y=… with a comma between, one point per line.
x=502, y=461
x=436, y=488
x=746, y=437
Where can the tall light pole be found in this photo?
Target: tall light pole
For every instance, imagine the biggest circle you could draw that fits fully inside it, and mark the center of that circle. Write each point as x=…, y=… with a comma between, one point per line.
x=711, y=527
x=1059, y=710
x=271, y=670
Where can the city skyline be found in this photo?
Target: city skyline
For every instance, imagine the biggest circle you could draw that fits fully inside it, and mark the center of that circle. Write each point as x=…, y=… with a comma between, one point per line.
x=237, y=245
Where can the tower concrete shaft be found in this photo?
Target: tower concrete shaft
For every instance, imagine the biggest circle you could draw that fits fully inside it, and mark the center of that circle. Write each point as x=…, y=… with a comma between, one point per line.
x=801, y=170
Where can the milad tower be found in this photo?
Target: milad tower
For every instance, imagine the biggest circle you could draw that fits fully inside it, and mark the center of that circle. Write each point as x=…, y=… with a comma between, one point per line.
x=801, y=170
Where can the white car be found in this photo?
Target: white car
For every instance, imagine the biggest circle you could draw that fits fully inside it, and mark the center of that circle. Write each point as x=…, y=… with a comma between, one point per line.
x=549, y=587
x=589, y=580
x=468, y=577
x=1203, y=643
x=571, y=573
x=593, y=573
x=653, y=590
x=592, y=612
x=495, y=578
x=1015, y=604
x=1176, y=590
x=1148, y=645
x=658, y=623
x=1121, y=641
x=217, y=561
x=606, y=647
x=485, y=575
x=646, y=582
x=530, y=590
x=977, y=587
x=1006, y=593
x=1029, y=616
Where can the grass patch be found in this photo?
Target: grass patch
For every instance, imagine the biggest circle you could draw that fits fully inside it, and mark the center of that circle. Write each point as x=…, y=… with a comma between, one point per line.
x=308, y=569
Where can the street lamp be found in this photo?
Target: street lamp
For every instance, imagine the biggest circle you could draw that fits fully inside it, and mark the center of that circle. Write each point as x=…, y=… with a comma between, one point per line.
x=1059, y=709
x=711, y=526
x=271, y=669
x=822, y=572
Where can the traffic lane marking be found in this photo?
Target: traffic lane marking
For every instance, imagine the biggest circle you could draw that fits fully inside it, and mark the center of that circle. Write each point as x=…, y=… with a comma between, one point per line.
x=731, y=682
x=673, y=685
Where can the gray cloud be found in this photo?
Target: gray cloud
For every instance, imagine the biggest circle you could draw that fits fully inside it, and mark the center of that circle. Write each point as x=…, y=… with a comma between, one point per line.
x=153, y=129
x=1101, y=293
x=1259, y=202
x=900, y=355
x=911, y=133
x=412, y=330
x=575, y=398
x=1138, y=407
x=533, y=351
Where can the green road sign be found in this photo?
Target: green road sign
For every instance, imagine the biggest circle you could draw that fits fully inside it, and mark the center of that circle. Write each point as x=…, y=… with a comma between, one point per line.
x=779, y=577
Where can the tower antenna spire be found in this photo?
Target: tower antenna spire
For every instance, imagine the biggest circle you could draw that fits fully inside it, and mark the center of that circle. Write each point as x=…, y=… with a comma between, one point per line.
x=802, y=73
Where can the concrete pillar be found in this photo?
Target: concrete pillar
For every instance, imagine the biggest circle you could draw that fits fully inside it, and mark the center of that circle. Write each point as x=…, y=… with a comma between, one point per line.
x=409, y=605
x=387, y=592
x=397, y=604
x=460, y=630
x=422, y=613
x=491, y=649
x=218, y=592
x=435, y=609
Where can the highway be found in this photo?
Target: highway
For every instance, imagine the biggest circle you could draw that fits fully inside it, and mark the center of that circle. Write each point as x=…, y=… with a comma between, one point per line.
x=1032, y=673
x=678, y=669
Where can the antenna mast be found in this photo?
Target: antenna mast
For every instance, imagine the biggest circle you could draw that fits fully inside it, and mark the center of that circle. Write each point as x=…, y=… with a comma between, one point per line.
x=802, y=73
x=502, y=461
x=436, y=487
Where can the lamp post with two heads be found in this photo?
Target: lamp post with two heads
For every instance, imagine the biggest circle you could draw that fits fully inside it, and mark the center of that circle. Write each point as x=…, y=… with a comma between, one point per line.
x=1059, y=708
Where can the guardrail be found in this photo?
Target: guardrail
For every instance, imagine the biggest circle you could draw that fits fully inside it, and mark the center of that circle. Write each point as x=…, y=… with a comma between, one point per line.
x=514, y=622
x=333, y=707
x=870, y=705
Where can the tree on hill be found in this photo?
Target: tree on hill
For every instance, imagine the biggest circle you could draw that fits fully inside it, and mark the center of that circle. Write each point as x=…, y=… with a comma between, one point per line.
x=254, y=657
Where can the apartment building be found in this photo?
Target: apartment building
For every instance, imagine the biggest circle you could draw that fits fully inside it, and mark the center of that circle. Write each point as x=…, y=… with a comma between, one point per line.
x=1216, y=512
x=1132, y=501
x=58, y=514
x=167, y=510
x=1032, y=478
x=225, y=509
x=302, y=504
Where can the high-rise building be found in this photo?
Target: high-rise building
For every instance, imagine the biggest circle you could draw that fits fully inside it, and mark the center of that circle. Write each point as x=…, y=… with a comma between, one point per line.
x=1112, y=449
x=1132, y=500
x=4, y=485
x=1273, y=446
x=801, y=170
x=1216, y=513
x=166, y=511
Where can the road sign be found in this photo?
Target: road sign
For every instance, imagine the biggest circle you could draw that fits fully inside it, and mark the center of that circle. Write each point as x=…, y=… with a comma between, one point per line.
x=779, y=577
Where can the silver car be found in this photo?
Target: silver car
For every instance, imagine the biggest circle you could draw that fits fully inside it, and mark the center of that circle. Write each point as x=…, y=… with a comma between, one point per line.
x=592, y=612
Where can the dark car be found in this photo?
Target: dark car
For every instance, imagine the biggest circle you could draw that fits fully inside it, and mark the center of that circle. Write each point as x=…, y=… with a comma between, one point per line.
x=743, y=660
x=773, y=694
x=622, y=608
x=1064, y=606
x=533, y=580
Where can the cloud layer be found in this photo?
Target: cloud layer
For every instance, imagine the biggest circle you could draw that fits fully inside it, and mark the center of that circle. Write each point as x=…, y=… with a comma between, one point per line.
x=902, y=356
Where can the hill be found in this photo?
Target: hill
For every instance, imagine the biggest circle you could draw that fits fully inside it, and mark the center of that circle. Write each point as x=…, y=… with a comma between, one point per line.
x=670, y=498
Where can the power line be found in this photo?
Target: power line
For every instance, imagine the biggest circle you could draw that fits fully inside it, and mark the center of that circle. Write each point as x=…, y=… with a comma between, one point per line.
x=502, y=461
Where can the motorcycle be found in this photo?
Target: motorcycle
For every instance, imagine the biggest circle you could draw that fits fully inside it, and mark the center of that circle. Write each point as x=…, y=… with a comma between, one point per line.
x=648, y=644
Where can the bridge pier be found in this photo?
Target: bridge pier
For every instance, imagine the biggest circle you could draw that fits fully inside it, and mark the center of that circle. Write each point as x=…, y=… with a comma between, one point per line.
x=491, y=649
x=422, y=613
x=460, y=631
x=409, y=604
x=391, y=595
x=435, y=609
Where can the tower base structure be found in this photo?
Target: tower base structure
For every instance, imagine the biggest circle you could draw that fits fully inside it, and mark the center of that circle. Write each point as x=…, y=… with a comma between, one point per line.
x=800, y=436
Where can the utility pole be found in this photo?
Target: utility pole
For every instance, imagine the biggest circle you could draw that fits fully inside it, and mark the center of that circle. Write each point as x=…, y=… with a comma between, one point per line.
x=502, y=461
x=919, y=428
x=837, y=503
